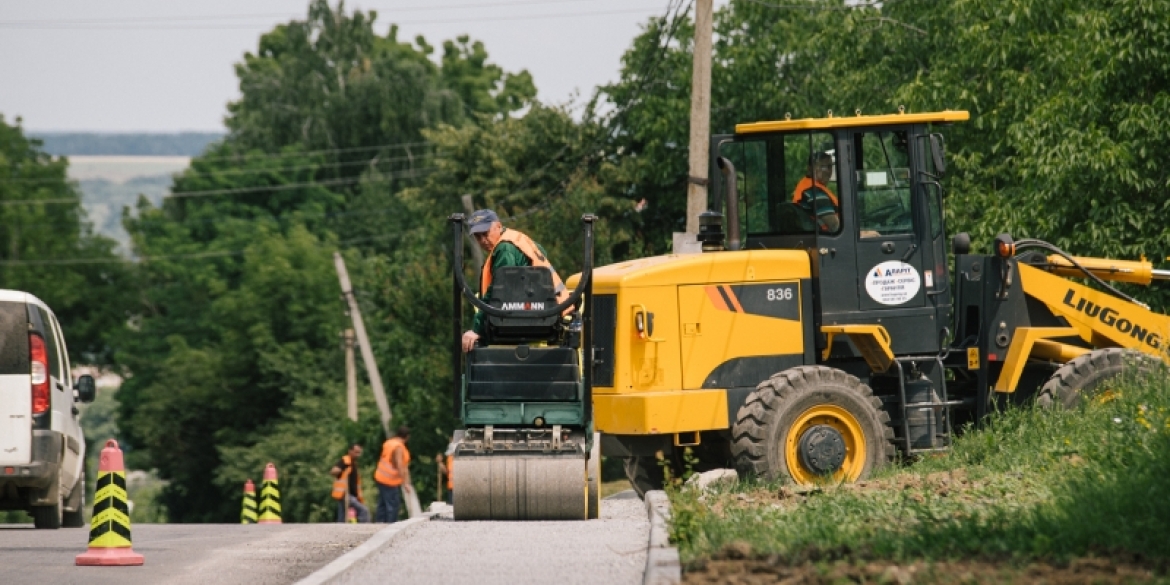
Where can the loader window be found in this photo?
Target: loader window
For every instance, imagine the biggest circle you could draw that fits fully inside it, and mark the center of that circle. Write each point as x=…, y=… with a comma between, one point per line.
x=778, y=193
x=883, y=184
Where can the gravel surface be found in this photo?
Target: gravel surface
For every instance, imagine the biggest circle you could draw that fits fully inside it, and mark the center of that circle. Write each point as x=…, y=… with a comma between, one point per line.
x=611, y=549
x=180, y=554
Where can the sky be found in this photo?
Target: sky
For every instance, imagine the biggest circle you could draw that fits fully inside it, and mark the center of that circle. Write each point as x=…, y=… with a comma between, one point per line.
x=151, y=66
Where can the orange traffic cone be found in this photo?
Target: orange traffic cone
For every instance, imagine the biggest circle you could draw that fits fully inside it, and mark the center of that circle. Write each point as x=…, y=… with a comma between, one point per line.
x=109, y=532
x=269, y=497
x=248, y=511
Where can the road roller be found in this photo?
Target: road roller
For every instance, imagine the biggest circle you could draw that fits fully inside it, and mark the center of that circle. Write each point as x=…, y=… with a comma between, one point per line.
x=527, y=450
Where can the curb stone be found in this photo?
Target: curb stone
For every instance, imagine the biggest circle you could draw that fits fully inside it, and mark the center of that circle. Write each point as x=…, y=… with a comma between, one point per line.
x=662, y=563
x=375, y=542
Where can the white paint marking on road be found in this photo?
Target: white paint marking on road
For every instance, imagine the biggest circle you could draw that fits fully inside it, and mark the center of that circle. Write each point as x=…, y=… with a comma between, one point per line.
x=377, y=541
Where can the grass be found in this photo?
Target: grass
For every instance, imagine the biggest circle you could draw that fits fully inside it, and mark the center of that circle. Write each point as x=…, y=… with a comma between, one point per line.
x=1031, y=485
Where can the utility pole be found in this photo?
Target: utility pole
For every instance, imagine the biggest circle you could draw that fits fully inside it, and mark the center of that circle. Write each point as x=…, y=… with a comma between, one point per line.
x=359, y=328
x=476, y=251
x=700, y=117
x=350, y=376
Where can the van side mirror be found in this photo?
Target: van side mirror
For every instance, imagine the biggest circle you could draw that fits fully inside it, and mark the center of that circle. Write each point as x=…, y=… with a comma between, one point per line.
x=86, y=388
x=938, y=148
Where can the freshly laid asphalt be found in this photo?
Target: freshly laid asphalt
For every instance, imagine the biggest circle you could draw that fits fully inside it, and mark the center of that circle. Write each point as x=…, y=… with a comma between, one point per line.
x=611, y=549
x=181, y=553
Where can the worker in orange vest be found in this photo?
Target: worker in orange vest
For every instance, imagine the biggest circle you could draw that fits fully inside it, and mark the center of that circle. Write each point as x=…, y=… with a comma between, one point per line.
x=504, y=247
x=447, y=466
x=347, y=485
x=815, y=197
x=392, y=475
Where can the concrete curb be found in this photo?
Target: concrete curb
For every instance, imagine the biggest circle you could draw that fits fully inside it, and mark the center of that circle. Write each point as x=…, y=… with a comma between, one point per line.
x=662, y=562
x=375, y=542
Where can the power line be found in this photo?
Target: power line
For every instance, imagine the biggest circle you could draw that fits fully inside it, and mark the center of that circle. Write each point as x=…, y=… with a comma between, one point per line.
x=381, y=177
x=285, y=187
x=169, y=256
x=113, y=27
x=190, y=18
x=189, y=173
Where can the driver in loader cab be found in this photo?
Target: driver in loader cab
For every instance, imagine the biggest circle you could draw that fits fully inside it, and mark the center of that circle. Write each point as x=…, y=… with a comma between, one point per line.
x=814, y=196
x=504, y=247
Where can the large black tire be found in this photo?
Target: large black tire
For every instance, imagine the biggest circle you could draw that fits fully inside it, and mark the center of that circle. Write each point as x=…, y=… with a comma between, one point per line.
x=645, y=474
x=76, y=518
x=49, y=517
x=771, y=427
x=1090, y=373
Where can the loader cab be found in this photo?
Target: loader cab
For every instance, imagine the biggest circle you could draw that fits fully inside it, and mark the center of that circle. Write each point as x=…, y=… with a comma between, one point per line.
x=878, y=254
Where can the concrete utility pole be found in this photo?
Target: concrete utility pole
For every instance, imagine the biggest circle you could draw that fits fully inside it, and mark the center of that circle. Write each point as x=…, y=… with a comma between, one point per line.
x=350, y=376
x=700, y=117
x=363, y=342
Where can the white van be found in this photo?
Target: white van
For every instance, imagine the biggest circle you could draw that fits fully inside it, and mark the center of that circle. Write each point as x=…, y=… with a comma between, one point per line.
x=42, y=449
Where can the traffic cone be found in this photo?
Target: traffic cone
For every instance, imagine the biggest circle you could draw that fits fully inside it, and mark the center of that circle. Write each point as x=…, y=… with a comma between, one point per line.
x=109, y=532
x=350, y=516
x=248, y=513
x=269, y=497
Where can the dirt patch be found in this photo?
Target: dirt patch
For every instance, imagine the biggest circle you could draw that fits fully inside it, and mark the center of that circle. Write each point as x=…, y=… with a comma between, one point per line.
x=753, y=571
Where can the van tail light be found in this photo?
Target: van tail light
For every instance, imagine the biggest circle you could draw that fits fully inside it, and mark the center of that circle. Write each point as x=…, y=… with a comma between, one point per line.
x=39, y=368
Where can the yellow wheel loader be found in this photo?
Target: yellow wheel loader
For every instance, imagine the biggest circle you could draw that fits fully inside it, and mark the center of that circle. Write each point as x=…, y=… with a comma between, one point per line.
x=822, y=333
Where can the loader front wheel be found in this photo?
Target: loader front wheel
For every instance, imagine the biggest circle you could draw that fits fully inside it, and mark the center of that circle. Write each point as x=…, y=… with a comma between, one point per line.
x=810, y=424
x=1090, y=375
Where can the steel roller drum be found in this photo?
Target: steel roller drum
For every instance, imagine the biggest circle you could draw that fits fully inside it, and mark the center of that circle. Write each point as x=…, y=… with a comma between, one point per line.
x=529, y=486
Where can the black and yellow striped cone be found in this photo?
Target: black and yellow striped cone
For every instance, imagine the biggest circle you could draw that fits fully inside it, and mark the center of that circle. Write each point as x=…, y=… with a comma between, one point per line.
x=109, y=533
x=248, y=512
x=269, y=497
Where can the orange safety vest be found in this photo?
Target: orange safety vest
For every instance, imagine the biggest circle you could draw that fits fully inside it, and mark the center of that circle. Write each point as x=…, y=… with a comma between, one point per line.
x=805, y=184
x=450, y=472
x=342, y=482
x=386, y=474
x=532, y=252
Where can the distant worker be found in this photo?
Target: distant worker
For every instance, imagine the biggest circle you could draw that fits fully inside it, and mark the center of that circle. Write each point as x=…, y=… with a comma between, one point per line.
x=347, y=487
x=392, y=474
x=447, y=466
x=505, y=247
x=815, y=197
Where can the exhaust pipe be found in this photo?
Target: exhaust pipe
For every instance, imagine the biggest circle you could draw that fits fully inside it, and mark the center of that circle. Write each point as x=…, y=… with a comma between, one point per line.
x=732, y=199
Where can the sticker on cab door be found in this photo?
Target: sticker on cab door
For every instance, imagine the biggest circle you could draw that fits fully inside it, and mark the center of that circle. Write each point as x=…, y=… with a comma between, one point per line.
x=892, y=283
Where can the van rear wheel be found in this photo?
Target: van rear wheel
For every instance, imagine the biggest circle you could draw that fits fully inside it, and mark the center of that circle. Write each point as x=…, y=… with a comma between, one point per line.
x=49, y=517
x=76, y=518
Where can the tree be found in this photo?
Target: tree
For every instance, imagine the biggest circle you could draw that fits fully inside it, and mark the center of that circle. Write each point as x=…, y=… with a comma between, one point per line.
x=48, y=248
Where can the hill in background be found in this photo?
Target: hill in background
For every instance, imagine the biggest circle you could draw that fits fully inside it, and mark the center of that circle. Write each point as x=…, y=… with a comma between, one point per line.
x=114, y=169
x=127, y=144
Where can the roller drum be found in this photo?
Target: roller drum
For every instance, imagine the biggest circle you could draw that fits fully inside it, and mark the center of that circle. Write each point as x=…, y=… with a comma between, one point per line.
x=504, y=486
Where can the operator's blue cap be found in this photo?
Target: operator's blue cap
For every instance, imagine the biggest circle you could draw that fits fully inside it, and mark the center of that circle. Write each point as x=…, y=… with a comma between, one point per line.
x=481, y=221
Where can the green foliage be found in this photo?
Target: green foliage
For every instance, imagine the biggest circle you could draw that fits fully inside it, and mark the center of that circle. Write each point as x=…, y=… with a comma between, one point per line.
x=1033, y=484
x=86, y=297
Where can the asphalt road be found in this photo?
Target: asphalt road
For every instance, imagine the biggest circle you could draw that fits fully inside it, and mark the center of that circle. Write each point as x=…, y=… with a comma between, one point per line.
x=181, y=553
x=609, y=550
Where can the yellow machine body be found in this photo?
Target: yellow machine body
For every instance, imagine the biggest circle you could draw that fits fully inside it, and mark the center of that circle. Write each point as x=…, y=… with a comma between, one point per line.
x=697, y=312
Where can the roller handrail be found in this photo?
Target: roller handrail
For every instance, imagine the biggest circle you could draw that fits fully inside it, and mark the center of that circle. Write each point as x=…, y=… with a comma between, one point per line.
x=456, y=220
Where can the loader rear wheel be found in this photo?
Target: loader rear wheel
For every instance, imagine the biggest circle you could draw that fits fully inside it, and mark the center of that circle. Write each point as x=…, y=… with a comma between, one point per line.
x=1089, y=375
x=645, y=474
x=809, y=424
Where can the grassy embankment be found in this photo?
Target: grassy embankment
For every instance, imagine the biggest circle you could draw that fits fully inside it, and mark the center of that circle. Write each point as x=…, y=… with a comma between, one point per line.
x=1031, y=486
